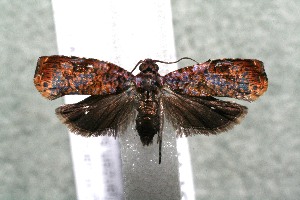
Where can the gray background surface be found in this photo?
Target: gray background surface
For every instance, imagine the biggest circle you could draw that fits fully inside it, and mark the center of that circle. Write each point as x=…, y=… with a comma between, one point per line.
x=258, y=159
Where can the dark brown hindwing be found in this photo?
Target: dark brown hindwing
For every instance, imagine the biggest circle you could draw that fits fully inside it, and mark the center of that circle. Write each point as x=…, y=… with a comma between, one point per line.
x=98, y=115
x=201, y=115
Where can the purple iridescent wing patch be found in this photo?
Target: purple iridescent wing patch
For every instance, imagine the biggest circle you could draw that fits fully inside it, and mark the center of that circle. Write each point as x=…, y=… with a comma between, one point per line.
x=237, y=78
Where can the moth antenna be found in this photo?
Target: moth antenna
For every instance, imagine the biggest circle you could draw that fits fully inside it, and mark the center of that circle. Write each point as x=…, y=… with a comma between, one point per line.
x=160, y=61
x=137, y=64
x=183, y=58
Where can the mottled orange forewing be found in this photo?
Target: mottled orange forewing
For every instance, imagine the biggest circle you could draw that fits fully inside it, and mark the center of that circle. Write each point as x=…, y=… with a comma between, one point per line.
x=237, y=78
x=56, y=76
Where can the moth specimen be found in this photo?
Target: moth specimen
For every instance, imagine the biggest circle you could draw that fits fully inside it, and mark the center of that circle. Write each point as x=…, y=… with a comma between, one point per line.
x=185, y=97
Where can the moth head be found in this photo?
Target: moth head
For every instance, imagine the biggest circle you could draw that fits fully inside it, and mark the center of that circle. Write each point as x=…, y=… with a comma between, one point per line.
x=148, y=65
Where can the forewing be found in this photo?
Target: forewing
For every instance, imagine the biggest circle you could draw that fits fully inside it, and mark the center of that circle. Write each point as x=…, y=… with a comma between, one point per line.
x=98, y=115
x=200, y=115
x=237, y=78
x=56, y=76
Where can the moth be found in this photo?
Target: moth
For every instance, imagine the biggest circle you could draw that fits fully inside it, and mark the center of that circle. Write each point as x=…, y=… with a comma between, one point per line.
x=185, y=97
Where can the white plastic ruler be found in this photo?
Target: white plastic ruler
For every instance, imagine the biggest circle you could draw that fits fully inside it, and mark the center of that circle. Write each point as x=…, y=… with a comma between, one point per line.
x=115, y=31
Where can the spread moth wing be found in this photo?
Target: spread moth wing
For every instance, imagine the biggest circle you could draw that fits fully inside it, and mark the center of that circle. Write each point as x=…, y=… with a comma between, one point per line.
x=200, y=115
x=99, y=115
x=56, y=76
x=237, y=78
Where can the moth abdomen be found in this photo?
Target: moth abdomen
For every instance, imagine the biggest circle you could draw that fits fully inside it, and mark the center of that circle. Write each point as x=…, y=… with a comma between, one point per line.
x=147, y=121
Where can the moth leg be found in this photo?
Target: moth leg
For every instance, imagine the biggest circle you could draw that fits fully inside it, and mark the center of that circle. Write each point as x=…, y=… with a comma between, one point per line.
x=161, y=126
